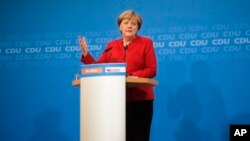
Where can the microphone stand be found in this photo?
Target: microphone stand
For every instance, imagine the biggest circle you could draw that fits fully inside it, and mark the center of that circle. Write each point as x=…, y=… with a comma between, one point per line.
x=126, y=58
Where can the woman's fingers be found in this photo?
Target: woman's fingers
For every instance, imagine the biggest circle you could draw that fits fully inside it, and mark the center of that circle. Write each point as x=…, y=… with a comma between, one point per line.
x=83, y=44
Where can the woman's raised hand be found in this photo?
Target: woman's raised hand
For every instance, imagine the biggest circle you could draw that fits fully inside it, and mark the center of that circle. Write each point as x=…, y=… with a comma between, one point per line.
x=83, y=45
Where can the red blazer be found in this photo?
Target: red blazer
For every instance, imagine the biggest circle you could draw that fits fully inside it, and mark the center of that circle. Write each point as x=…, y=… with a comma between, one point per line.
x=140, y=61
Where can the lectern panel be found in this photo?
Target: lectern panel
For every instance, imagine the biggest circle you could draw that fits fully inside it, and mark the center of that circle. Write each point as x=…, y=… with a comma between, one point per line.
x=102, y=102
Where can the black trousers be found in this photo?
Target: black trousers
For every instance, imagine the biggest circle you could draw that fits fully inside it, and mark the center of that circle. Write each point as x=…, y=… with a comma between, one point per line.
x=138, y=120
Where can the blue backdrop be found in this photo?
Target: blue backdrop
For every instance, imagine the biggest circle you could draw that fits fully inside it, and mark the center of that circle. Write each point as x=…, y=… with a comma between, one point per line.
x=203, y=53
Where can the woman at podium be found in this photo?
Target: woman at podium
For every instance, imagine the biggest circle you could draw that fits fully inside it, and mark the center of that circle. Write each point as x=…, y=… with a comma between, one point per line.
x=137, y=52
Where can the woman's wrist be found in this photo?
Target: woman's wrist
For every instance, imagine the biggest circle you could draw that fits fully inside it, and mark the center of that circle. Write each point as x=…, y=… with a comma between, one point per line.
x=84, y=54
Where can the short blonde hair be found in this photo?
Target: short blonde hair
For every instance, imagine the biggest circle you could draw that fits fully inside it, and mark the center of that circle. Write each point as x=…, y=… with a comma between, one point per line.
x=128, y=14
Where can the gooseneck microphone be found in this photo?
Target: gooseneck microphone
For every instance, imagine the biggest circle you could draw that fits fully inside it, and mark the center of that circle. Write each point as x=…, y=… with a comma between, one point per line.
x=108, y=49
x=126, y=57
x=126, y=47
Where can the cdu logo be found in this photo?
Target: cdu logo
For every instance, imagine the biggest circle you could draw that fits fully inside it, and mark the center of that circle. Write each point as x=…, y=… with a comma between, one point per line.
x=239, y=132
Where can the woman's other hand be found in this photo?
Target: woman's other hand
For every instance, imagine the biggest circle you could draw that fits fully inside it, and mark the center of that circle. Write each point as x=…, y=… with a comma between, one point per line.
x=83, y=45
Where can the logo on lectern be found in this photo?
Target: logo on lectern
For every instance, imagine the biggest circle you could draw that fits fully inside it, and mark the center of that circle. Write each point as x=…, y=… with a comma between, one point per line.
x=91, y=70
x=114, y=69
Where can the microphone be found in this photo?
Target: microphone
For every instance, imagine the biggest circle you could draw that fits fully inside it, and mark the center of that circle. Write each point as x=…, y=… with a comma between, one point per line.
x=126, y=47
x=126, y=57
x=108, y=49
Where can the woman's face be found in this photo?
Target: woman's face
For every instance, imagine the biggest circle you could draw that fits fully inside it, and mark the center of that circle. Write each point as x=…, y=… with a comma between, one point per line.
x=129, y=28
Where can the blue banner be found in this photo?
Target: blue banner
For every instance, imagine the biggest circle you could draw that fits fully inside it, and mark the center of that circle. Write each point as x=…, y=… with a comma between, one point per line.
x=203, y=58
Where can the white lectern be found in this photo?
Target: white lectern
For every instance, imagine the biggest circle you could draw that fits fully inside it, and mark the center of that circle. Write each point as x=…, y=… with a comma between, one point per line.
x=102, y=102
